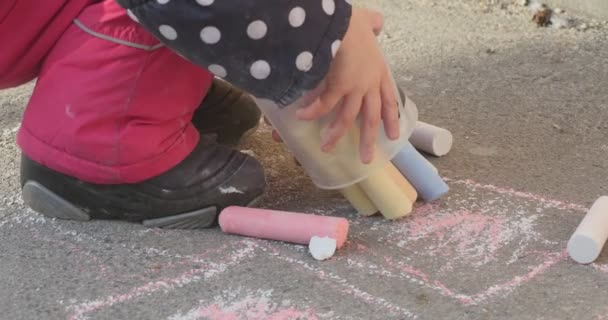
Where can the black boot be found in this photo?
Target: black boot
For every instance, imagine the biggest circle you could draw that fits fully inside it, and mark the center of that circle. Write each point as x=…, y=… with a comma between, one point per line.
x=227, y=113
x=188, y=196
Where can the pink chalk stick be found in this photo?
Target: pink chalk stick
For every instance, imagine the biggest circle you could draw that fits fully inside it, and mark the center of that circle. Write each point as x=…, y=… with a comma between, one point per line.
x=281, y=225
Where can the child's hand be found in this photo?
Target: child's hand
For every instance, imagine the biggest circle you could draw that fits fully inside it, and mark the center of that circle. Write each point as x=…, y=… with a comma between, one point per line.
x=277, y=138
x=359, y=83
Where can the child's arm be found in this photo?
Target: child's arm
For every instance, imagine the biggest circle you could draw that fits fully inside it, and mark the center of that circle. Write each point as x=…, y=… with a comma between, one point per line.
x=279, y=49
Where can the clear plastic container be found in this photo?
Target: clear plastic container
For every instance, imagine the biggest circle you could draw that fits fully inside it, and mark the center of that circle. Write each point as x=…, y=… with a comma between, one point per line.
x=342, y=166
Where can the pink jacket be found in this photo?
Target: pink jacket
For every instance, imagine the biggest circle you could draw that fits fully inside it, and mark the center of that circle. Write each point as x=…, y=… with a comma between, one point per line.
x=28, y=30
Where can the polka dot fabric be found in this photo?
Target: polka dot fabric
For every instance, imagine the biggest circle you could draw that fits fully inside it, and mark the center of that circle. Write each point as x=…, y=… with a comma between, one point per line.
x=275, y=49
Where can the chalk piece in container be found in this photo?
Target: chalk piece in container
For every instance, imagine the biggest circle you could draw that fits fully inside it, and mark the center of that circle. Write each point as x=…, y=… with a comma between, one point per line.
x=386, y=195
x=401, y=182
x=431, y=139
x=282, y=226
x=432, y=166
x=587, y=242
x=412, y=165
x=359, y=200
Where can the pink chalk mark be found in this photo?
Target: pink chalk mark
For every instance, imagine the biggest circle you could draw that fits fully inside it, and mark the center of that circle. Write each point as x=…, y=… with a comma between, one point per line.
x=470, y=228
x=509, y=286
x=434, y=284
x=600, y=267
x=338, y=281
x=602, y=316
x=426, y=209
x=560, y=204
x=470, y=235
x=206, y=271
x=447, y=291
x=476, y=226
x=506, y=287
x=362, y=247
x=408, y=269
x=214, y=312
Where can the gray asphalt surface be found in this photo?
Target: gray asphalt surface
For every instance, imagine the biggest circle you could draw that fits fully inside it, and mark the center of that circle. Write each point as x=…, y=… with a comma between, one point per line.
x=528, y=108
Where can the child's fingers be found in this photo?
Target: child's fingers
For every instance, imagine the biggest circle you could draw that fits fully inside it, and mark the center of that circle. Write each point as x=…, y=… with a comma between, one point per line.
x=343, y=121
x=276, y=137
x=390, y=114
x=370, y=122
x=321, y=106
x=275, y=134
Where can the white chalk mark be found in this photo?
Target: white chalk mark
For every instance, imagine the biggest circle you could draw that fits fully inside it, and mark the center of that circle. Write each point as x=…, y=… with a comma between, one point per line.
x=467, y=234
x=548, y=202
x=230, y=190
x=10, y=132
x=207, y=271
x=508, y=287
x=31, y=219
x=83, y=309
x=248, y=152
x=246, y=304
x=418, y=277
x=85, y=256
x=346, y=286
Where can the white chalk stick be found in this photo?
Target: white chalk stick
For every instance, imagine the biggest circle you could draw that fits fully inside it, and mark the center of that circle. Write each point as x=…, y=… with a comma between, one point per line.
x=431, y=139
x=587, y=242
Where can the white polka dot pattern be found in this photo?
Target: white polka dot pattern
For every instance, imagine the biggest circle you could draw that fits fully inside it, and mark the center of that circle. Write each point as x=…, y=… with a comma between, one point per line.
x=297, y=16
x=260, y=70
x=218, y=70
x=335, y=46
x=257, y=30
x=132, y=16
x=275, y=50
x=168, y=32
x=304, y=61
x=329, y=6
x=211, y=35
x=205, y=2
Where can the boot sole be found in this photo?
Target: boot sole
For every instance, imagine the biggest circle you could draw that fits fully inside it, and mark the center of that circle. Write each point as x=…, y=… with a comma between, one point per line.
x=49, y=204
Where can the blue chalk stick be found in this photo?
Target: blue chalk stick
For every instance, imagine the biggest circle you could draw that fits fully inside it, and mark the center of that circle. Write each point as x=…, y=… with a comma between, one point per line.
x=412, y=165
